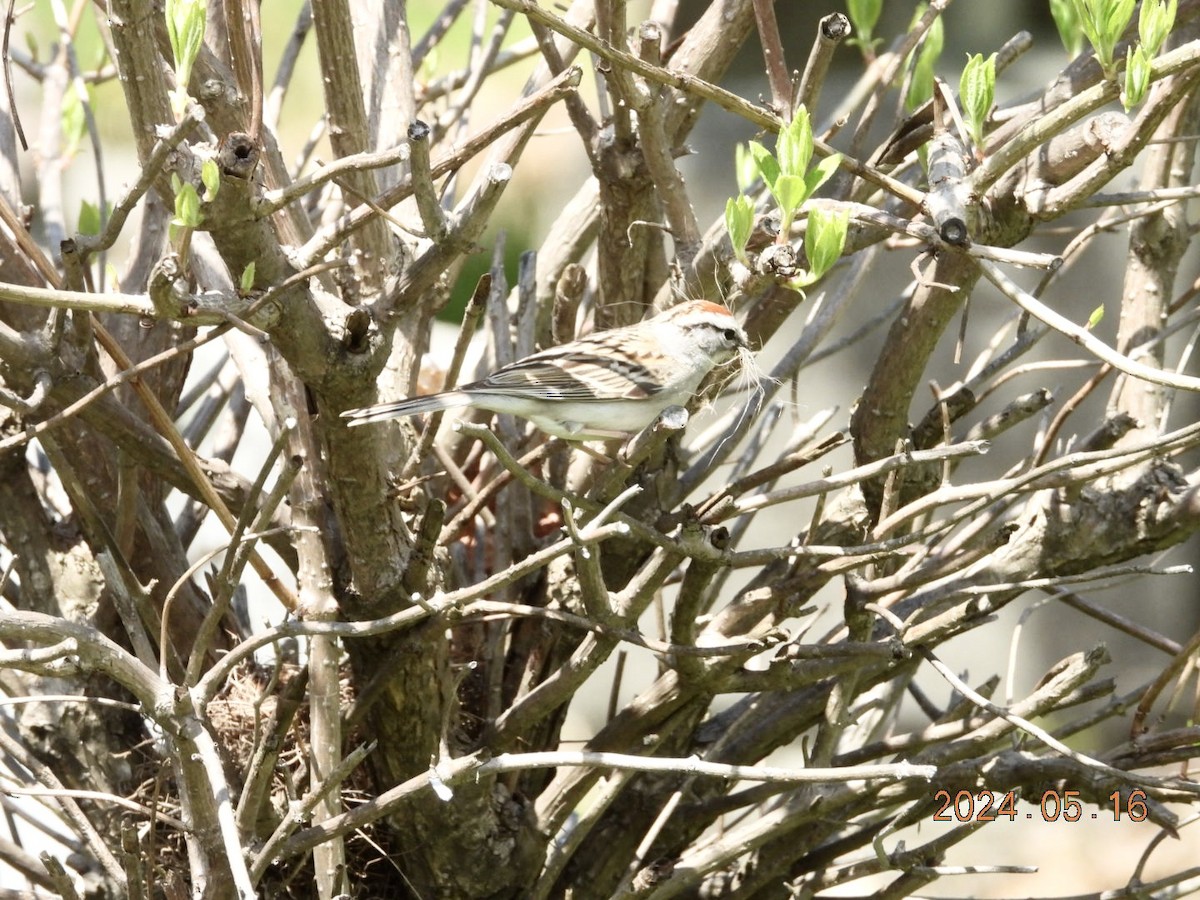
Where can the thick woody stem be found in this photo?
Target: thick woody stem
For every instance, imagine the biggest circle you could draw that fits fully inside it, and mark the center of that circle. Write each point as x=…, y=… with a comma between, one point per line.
x=1157, y=242
x=348, y=129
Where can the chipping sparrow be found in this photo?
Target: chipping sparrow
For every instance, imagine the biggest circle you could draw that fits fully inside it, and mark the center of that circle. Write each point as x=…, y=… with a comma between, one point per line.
x=609, y=384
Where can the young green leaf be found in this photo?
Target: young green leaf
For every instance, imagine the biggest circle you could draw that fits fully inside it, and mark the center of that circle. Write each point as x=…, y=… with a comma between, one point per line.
x=1089, y=24
x=920, y=85
x=978, y=91
x=824, y=240
x=1155, y=23
x=789, y=193
x=89, y=218
x=768, y=168
x=73, y=122
x=1104, y=21
x=1117, y=15
x=1095, y=318
x=820, y=173
x=794, y=147
x=739, y=222
x=210, y=174
x=1066, y=20
x=864, y=14
x=745, y=168
x=1137, y=77
x=187, y=206
x=185, y=31
x=246, y=282
x=429, y=65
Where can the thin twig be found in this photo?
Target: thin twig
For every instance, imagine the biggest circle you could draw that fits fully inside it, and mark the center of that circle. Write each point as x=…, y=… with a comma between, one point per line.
x=273, y=201
x=1083, y=336
x=859, y=474
x=1040, y=734
x=100, y=796
x=9, y=19
x=1120, y=623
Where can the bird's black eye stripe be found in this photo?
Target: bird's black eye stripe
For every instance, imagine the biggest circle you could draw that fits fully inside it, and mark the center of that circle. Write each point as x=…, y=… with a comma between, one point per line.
x=729, y=335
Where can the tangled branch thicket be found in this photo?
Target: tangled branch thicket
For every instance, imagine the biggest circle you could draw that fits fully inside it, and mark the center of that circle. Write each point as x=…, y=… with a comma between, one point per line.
x=389, y=676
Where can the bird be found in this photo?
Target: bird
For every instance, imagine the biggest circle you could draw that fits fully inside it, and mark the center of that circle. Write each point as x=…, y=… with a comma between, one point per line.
x=608, y=384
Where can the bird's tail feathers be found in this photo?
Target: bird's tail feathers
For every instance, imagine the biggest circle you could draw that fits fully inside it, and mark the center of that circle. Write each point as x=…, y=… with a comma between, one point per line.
x=411, y=407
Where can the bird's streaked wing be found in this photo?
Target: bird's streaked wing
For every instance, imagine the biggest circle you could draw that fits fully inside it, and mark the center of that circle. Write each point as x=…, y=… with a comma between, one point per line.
x=573, y=376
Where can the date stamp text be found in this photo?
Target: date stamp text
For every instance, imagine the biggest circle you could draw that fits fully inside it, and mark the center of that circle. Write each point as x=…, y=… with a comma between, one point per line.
x=1055, y=806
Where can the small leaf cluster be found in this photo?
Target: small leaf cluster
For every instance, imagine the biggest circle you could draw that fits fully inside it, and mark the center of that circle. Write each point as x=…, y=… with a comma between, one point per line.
x=186, y=21
x=824, y=240
x=1154, y=24
x=790, y=182
x=188, y=214
x=977, y=92
x=1103, y=23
